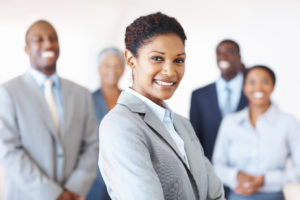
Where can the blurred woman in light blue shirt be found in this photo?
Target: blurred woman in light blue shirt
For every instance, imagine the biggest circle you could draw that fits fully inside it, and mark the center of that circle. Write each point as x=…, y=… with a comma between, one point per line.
x=254, y=144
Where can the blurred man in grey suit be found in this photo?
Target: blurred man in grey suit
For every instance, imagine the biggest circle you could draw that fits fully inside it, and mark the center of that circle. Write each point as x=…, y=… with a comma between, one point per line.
x=48, y=132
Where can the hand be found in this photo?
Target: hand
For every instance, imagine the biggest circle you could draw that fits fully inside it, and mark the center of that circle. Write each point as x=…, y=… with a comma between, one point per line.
x=248, y=184
x=66, y=195
x=76, y=197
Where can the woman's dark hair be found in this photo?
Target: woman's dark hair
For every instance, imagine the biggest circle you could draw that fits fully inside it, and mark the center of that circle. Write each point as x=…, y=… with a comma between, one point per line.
x=146, y=27
x=267, y=69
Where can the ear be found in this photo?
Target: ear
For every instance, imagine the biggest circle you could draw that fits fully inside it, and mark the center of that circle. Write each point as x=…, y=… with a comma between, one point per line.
x=130, y=59
x=26, y=49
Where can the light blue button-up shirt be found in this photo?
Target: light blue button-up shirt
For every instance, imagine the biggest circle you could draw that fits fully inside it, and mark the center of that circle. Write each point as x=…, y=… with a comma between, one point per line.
x=40, y=78
x=235, y=85
x=263, y=150
x=166, y=117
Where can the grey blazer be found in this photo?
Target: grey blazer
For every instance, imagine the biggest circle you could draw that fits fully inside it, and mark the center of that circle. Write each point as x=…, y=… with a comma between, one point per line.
x=139, y=160
x=38, y=162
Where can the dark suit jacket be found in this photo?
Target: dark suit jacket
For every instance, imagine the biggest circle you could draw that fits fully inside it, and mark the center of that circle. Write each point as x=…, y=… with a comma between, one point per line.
x=206, y=116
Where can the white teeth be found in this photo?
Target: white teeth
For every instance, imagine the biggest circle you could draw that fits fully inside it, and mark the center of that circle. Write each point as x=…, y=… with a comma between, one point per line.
x=224, y=64
x=48, y=54
x=258, y=95
x=164, y=83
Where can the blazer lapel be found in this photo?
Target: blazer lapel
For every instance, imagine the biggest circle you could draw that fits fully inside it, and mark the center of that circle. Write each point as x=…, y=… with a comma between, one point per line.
x=41, y=107
x=215, y=104
x=68, y=105
x=138, y=106
x=189, y=147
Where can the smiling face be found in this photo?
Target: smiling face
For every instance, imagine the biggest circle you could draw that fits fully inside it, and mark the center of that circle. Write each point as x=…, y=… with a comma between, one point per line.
x=258, y=87
x=111, y=69
x=42, y=47
x=229, y=60
x=158, y=67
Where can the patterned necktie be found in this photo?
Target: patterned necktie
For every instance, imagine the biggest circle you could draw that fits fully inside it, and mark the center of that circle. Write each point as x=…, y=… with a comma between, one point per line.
x=48, y=93
x=227, y=106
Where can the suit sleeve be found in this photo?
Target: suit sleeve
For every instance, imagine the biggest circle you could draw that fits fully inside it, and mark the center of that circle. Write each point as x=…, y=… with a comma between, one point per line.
x=17, y=163
x=82, y=177
x=287, y=175
x=215, y=186
x=125, y=161
x=195, y=116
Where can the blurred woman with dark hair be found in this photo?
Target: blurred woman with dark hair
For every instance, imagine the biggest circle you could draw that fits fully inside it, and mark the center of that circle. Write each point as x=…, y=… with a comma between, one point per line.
x=254, y=144
x=110, y=69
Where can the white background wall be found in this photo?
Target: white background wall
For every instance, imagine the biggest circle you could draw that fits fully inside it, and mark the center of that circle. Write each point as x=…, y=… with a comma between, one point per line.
x=267, y=30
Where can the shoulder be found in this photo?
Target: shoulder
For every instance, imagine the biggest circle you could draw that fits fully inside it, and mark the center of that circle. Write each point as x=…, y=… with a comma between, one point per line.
x=13, y=86
x=204, y=90
x=70, y=85
x=286, y=118
x=121, y=124
x=235, y=118
x=118, y=118
x=97, y=92
x=14, y=83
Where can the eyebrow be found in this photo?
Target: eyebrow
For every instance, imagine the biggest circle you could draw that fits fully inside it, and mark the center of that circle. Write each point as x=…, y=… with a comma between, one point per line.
x=180, y=54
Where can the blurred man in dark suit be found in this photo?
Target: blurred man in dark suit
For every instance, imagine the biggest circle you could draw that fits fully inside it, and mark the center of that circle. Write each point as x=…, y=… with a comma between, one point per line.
x=211, y=103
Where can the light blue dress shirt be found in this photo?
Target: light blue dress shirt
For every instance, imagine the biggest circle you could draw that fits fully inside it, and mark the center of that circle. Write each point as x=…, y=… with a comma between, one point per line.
x=236, y=86
x=165, y=115
x=263, y=150
x=40, y=78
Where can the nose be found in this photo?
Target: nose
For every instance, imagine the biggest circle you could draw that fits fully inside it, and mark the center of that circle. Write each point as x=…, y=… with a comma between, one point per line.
x=47, y=43
x=222, y=56
x=168, y=69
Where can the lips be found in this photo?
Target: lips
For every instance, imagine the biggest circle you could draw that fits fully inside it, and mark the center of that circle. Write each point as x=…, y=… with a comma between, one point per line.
x=258, y=95
x=48, y=54
x=165, y=83
x=223, y=64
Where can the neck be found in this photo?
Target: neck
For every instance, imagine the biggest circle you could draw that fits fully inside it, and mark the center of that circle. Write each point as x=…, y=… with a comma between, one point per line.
x=256, y=111
x=47, y=71
x=155, y=100
x=229, y=77
x=112, y=89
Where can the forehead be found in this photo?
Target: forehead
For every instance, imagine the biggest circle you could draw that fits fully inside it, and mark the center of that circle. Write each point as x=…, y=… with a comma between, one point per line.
x=167, y=43
x=41, y=28
x=226, y=46
x=259, y=73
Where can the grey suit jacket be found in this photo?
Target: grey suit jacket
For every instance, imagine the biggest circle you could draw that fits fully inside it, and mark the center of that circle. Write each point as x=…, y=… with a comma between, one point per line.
x=139, y=160
x=38, y=162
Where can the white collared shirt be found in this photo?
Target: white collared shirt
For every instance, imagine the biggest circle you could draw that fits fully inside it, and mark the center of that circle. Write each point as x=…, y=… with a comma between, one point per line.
x=263, y=150
x=235, y=85
x=165, y=115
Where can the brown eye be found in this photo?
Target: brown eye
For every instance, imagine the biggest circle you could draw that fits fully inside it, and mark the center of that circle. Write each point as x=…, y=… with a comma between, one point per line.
x=157, y=58
x=179, y=60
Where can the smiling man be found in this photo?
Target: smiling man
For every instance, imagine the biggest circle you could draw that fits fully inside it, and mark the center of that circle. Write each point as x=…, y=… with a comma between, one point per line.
x=211, y=103
x=48, y=140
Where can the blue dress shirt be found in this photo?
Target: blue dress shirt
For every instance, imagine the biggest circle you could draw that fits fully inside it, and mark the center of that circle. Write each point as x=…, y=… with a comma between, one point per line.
x=40, y=78
x=166, y=117
x=263, y=150
x=235, y=85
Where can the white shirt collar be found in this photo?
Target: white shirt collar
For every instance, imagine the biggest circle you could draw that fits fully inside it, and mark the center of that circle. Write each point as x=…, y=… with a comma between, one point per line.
x=234, y=84
x=159, y=111
x=269, y=115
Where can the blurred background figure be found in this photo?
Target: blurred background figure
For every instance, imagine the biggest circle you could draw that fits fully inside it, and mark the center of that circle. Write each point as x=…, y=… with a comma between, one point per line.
x=110, y=67
x=48, y=129
x=253, y=145
x=214, y=101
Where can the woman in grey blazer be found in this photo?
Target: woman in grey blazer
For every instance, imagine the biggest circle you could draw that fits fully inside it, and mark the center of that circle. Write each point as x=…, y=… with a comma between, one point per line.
x=147, y=152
